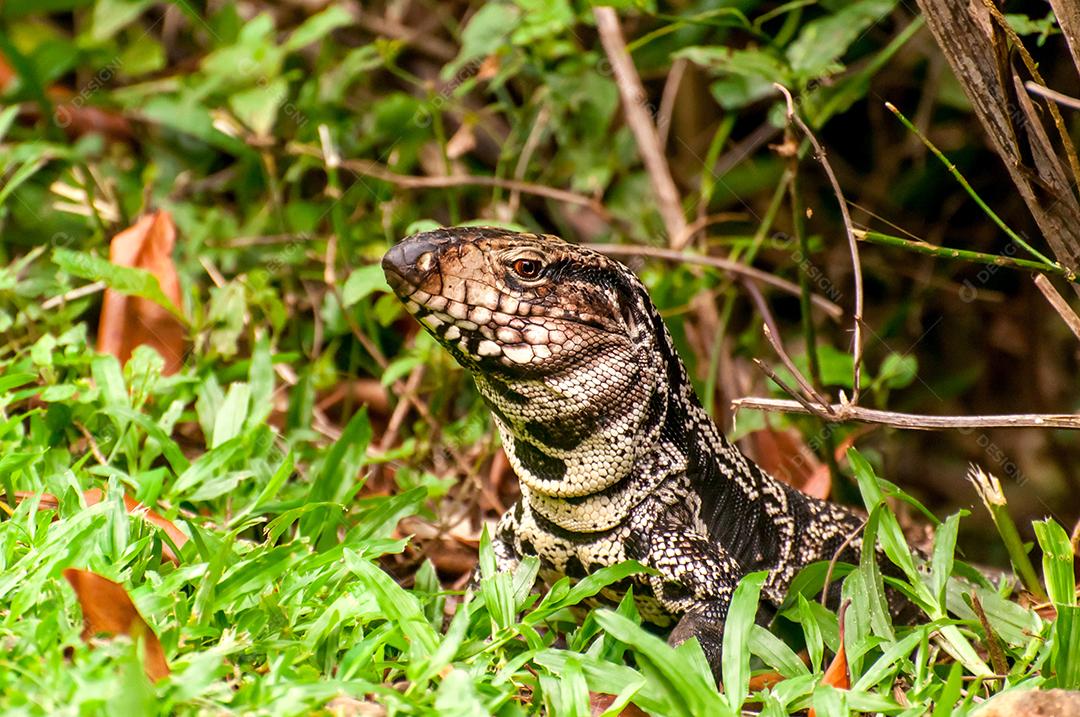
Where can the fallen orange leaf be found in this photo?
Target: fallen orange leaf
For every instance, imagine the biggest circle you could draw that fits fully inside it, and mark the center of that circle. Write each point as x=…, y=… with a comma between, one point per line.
x=784, y=455
x=837, y=672
x=130, y=321
x=765, y=680
x=108, y=610
x=48, y=501
x=95, y=496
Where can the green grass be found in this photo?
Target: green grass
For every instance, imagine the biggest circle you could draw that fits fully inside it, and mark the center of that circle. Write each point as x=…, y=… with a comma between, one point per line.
x=299, y=589
x=281, y=603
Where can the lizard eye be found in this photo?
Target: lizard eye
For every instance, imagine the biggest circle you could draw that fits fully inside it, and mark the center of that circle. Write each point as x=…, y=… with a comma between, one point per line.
x=527, y=268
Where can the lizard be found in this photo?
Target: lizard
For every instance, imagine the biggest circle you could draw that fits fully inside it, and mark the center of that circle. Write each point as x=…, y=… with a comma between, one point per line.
x=615, y=455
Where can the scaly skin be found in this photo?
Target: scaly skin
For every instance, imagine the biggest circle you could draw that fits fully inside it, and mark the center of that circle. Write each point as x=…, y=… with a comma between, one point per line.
x=616, y=456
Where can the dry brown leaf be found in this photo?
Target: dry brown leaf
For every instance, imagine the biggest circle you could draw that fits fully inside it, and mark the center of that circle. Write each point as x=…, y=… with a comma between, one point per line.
x=488, y=68
x=765, y=680
x=600, y=703
x=130, y=321
x=71, y=113
x=48, y=501
x=95, y=496
x=108, y=610
x=785, y=456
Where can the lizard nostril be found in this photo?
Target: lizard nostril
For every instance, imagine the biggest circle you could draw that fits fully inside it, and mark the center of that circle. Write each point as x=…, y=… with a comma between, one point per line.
x=426, y=261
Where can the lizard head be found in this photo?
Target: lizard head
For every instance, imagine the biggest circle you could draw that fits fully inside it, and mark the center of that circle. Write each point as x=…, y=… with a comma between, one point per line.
x=561, y=340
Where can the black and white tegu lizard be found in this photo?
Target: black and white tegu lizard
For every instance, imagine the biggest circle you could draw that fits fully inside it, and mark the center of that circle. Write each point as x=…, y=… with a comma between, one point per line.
x=616, y=456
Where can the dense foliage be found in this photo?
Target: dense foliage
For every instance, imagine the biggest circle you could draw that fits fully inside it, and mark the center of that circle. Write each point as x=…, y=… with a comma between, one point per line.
x=331, y=469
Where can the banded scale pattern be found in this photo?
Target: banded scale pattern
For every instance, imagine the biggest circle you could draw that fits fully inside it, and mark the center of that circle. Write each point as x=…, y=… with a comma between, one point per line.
x=616, y=456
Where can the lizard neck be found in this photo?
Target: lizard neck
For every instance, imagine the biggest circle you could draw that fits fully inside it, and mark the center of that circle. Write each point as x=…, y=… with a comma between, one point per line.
x=590, y=444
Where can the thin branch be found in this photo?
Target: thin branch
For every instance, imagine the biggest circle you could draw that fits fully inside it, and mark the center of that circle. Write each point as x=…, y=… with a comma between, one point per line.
x=368, y=168
x=962, y=181
x=419, y=37
x=634, y=100
x=1058, y=302
x=853, y=245
x=836, y=558
x=72, y=295
x=727, y=265
x=945, y=252
x=667, y=99
x=531, y=143
x=772, y=335
x=1036, y=89
x=846, y=412
x=807, y=406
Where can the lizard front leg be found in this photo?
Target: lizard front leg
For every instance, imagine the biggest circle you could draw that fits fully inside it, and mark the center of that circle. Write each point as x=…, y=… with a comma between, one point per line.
x=696, y=580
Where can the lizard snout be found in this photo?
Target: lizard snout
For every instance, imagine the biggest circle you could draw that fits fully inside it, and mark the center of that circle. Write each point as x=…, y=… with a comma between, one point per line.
x=410, y=261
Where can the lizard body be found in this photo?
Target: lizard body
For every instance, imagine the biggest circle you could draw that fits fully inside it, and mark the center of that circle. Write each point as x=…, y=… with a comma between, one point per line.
x=616, y=457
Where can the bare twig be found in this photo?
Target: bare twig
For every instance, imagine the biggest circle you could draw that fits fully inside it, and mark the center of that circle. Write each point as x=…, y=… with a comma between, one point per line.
x=809, y=407
x=667, y=99
x=836, y=558
x=397, y=418
x=420, y=37
x=853, y=245
x=733, y=267
x=844, y=412
x=993, y=643
x=72, y=295
x=634, y=102
x=368, y=168
x=1058, y=302
x=772, y=335
x=531, y=143
x=1067, y=13
x=1036, y=89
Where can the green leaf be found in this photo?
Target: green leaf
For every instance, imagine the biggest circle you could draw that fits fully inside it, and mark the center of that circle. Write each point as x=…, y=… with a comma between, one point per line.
x=815, y=644
x=890, y=535
x=125, y=279
x=1065, y=654
x=110, y=16
x=898, y=371
x=318, y=26
x=694, y=693
x=822, y=42
x=485, y=34
x=258, y=107
x=941, y=564
x=950, y=692
x=337, y=475
x=233, y=414
x=737, y=626
x=397, y=604
x=1057, y=561
x=362, y=283
x=775, y=653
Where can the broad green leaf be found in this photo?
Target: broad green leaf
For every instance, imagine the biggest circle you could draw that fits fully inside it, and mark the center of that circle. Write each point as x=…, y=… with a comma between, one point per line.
x=363, y=282
x=399, y=605
x=318, y=26
x=737, y=627
x=125, y=279
x=822, y=42
x=1057, y=561
x=233, y=414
